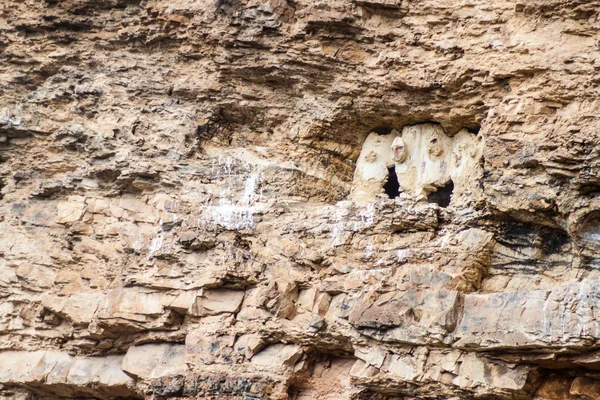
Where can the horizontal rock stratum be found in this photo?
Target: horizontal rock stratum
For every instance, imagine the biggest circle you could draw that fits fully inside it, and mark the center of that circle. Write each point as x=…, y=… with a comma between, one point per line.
x=346, y=199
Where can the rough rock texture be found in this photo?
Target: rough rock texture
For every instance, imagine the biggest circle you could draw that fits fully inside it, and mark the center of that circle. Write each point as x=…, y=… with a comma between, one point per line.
x=187, y=209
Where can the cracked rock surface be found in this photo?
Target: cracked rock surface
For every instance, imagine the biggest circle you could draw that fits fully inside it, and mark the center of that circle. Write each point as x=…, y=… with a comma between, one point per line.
x=344, y=199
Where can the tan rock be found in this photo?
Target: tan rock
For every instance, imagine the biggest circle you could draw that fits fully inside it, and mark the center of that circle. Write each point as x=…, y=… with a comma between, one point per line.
x=278, y=355
x=274, y=191
x=205, y=348
x=585, y=387
x=529, y=318
x=79, y=307
x=151, y=361
x=71, y=210
x=411, y=316
x=555, y=388
x=248, y=345
x=374, y=356
x=63, y=374
x=217, y=301
x=134, y=304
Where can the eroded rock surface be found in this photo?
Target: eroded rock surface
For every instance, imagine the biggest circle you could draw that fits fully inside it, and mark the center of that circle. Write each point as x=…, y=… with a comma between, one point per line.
x=300, y=200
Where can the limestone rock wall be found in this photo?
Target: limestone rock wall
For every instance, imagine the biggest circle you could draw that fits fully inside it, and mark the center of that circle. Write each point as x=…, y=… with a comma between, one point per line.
x=187, y=209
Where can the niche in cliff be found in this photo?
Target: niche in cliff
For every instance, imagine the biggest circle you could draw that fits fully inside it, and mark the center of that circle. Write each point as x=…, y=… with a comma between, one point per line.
x=422, y=163
x=442, y=195
x=391, y=186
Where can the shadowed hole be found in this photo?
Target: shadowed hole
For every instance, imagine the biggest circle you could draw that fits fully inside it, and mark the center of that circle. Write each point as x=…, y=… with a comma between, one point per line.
x=392, y=187
x=383, y=130
x=442, y=195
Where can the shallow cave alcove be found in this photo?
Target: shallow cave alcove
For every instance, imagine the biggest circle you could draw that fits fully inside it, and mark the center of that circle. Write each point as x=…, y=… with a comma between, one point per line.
x=442, y=195
x=391, y=186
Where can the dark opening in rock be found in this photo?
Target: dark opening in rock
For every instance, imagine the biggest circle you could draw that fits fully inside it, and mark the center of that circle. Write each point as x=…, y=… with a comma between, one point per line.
x=474, y=130
x=383, y=130
x=442, y=196
x=392, y=187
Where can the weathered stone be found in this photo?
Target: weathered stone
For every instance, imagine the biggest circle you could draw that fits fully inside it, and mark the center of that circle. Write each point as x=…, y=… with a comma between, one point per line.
x=545, y=318
x=299, y=199
x=184, y=301
x=65, y=375
x=555, y=388
x=72, y=210
x=278, y=355
x=212, y=302
x=133, y=304
x=205, y=348
x=77, y=307
x=409, y=316
x=588, y=388
x=151, y=361
x=248, y=345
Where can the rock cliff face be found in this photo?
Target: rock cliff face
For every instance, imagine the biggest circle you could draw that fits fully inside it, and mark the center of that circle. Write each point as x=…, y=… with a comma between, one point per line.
x=343, y=199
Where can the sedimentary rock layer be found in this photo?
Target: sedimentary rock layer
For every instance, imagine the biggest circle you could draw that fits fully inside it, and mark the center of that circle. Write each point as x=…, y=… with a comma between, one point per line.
x=299, y=199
